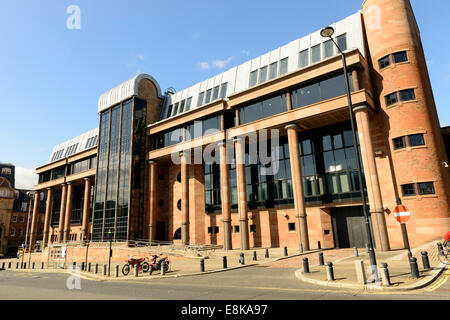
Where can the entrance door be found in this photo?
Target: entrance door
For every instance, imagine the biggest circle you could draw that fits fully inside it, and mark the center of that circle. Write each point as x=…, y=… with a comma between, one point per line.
x=349, y=227
x=161, y=234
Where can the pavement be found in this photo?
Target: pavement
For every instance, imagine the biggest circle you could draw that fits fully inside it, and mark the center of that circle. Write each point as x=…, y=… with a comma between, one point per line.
x=345, y=275
x=343, y=261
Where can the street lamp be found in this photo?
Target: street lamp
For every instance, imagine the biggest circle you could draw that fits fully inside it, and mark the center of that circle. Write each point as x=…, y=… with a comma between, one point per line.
x=30, y=195
x=328, y=33
x=110, y=234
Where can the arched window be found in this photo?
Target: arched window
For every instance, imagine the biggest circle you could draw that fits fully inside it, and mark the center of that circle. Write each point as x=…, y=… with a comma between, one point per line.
x=177, y=235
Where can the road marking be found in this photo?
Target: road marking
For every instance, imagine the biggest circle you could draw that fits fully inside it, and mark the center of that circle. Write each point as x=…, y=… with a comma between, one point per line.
x=440, y=282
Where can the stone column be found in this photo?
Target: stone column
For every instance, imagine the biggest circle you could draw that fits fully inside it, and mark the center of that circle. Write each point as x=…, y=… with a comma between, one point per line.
x=62, y=212
x=68, y=215
x=152, y=216
x=48, y=215
x=184, y=198
x=371, y=177
x=86, y=209
x=225, y=196
x=242, y=192
x=33, y=219
x=297, y=185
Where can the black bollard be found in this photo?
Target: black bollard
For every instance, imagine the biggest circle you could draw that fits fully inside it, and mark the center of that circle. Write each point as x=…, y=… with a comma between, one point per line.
x=267, y=253
x=42, y=265
x=319, y=246
x=385, y=274
x=82, y=266
x=3, y=265
x=425, y=260
x=89, y=267
x=330, y=271
x=24, y=266
x=305, y=265
x=241, y=259
x=414, y=268
x=285, y=252
x=96, y=268
x=17, y=265
x=321, y=261
x=202, y=265
x=254, y=256
x=224, y=262
x=32, y=266
x=9, y=265
x=74, y=266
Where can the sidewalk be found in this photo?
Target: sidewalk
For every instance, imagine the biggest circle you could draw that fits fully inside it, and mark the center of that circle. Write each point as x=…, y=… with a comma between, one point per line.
x=398, y=266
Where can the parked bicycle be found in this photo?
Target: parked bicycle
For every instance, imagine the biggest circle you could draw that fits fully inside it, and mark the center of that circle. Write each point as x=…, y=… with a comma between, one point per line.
x=444, y=256
x=142, y=265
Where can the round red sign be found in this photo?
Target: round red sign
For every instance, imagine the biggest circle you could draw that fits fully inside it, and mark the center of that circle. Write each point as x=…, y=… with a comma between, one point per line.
x=402, y=214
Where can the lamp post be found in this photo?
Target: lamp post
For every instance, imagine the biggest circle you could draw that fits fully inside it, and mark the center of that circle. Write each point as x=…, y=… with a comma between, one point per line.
x=110, y=235
x=327, y=33
x=30, y=195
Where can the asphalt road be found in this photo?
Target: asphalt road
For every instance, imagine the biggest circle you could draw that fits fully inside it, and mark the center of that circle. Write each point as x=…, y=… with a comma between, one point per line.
x=252, y=283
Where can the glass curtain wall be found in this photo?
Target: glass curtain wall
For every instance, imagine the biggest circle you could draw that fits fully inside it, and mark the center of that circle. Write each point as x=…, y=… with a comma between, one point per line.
x=56, y=208
x=112, y=192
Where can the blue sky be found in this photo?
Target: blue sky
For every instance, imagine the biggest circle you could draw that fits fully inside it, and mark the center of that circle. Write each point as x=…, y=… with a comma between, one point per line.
x=52, y=77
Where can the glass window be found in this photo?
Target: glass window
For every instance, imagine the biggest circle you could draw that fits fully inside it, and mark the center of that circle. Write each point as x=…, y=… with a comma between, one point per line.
x=315, y=54
x=400, y=57
x=333, y=87
x=200, y=99
x=216, y=93
x=291, y=226
x=169, y=112
x=304, y=58
x=210, y=124
x=342, y=41
x=328, y=48
x=384, y=62
x=223, y=90
x=416, y=140
x=175, y=109
x=188, y=104
x=399, y=143
x=426, y=188
x=407, y=95
x=263, y=74
x=284, y=66
x=307, y=95
x=273, y=106
x=253, y=78
x=391, y=99
x=273, y=70
x=408, y=190
x=208, y=96
x=182, y=104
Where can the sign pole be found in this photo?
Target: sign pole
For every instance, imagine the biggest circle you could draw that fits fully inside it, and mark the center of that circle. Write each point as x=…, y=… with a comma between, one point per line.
x=405, y=232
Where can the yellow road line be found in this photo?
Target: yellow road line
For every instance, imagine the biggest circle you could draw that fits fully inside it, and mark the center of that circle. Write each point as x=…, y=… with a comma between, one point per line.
x=441, y=281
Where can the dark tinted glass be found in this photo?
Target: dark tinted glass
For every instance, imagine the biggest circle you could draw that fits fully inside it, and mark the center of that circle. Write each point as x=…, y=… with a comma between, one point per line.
x=384, y=62
x=223, y=90
x=263, y=74
x=273, y=70
x=208, y=96
x=308, y=95
x=426, y=188
x=408, y=190
x=416, y=140
x=283, y=66
x=253, y=78
x=399, y=143
x=216, y=93
x=210, y=124
x=400, y=57
x=391, y=99
x=407, y=95
x=272, y=106
x=328, y=48
x=333, y=87
x=200, y=99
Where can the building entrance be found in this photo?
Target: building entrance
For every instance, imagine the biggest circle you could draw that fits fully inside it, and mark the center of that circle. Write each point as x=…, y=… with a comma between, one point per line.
x=349, y=229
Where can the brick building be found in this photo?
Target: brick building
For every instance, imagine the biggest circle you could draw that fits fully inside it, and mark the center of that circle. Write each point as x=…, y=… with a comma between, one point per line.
x=7, y=171
x=142, y=174
x=21, y=219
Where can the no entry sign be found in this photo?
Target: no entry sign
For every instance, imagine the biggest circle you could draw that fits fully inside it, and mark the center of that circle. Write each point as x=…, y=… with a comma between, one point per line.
x=402, y=214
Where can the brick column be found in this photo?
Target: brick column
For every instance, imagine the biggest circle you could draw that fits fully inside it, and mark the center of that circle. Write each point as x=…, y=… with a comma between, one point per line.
x=33, y=219
x=242, y=192
x=48, y=215
x=297, y=185
x=184, y=198
x=68, y=215
x=152, y=216
x=225, y=196
x=62, y=212
x=371, y=177
x=86, y=209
